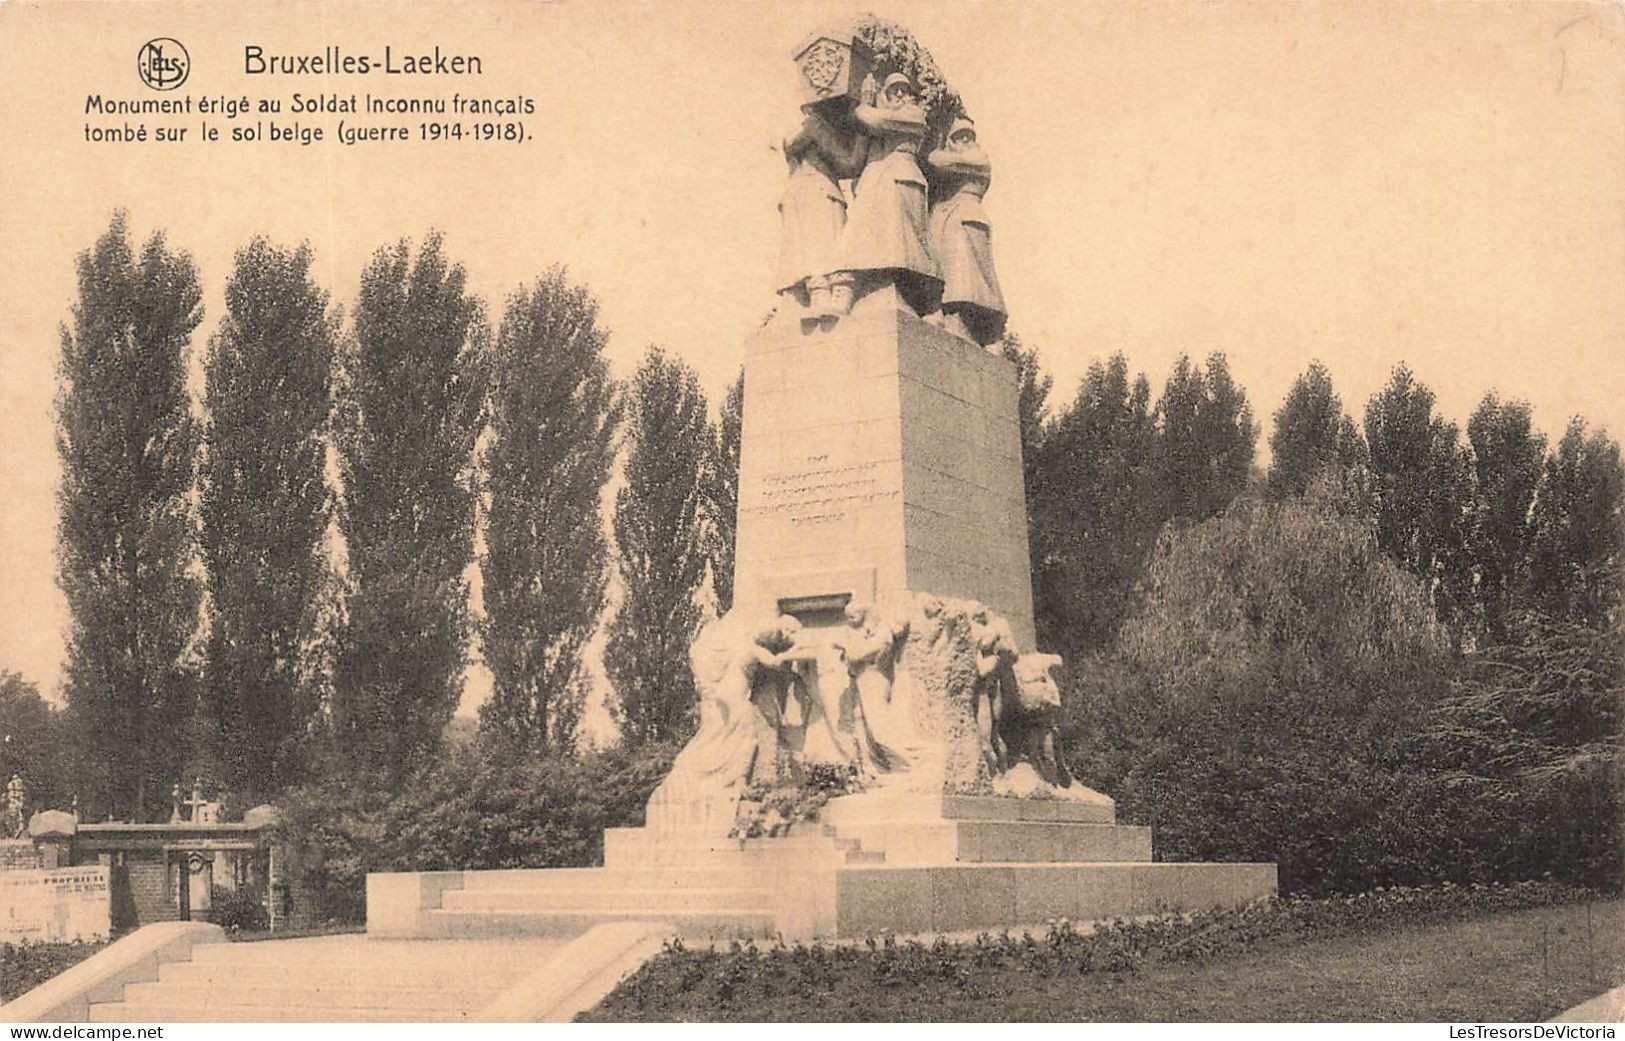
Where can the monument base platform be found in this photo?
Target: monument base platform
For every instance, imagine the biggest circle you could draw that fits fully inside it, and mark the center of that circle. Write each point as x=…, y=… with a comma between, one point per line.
x=983, y=864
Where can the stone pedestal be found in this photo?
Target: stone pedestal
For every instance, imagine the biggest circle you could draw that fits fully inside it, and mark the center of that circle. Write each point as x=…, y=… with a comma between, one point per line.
x=879, y=458
x=870, y=866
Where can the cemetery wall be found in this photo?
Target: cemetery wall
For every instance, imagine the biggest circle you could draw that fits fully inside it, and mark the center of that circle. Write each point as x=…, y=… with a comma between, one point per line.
x=55, y=906
x=18, y=855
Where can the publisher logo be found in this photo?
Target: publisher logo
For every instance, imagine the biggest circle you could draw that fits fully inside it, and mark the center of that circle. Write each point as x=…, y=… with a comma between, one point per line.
x=163, y=63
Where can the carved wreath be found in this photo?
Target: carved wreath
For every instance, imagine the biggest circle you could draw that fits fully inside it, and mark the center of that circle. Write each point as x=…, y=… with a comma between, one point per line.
x=823, y=64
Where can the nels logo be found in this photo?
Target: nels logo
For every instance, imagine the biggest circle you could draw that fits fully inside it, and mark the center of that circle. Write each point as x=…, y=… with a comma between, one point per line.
x=163, y=63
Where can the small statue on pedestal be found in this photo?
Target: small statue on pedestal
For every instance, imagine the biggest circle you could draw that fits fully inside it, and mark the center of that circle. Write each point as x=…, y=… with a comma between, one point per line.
x=16, y=819
x=962, y=237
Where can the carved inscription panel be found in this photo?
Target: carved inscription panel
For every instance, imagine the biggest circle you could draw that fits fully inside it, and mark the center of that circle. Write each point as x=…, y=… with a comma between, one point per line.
x=820, y=491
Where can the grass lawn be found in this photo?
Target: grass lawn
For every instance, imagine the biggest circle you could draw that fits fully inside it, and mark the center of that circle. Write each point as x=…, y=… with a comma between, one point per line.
x=1515, y=966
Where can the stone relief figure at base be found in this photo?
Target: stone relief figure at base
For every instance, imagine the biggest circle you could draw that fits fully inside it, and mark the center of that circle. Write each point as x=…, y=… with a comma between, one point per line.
x=869, y=651
x=925, y=694
x=1030, y=723
x=962, y=237
x=820, y=737
x=999, y=708
x=885, y=240
x=737, y=662
x=813, y=209
x=996, y=656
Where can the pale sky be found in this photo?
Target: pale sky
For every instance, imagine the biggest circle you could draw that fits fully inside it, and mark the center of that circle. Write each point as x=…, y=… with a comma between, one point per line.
x=1363, y=183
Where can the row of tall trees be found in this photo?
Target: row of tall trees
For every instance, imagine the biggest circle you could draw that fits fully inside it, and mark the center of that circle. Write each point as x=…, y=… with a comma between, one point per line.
x=1492, y=523
x=1394, y=657
x=1106, y=473
x=282, y=586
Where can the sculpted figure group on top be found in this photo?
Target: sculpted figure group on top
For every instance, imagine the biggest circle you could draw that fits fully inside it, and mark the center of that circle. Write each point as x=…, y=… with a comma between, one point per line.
x=912, y=219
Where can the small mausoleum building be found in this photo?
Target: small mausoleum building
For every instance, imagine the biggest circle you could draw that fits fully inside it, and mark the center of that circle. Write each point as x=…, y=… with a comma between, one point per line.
x=193, y=867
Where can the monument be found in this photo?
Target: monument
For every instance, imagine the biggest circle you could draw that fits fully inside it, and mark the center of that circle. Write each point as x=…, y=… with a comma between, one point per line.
x=877, y=740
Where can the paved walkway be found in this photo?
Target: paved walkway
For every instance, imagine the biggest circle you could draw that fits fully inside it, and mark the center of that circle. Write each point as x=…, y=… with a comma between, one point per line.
x=332, y=979
x=1605, y=1008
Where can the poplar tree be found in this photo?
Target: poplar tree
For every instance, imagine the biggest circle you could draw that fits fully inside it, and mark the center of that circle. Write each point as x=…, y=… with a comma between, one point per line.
x=1507, y=459
x=265, y=512
x=1579, y=528
x=126, y=534
x=410, y=395
x=1312, y=434
x=1093, y=510
x=722, y=493
x=1206, y=442
x=544, y=573
x=1424, y=489
x=660, y=540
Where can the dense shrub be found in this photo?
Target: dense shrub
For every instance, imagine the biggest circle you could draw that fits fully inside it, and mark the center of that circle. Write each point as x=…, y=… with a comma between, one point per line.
x=1283, y=693
x=1262, y=696
x=472, y=809
x=241, y=910
x=1523, y=757
x=24, y=966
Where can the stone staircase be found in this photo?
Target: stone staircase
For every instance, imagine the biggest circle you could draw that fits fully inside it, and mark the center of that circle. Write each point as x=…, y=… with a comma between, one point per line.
x=330, y=979
x=705, y=887
x=720, y=902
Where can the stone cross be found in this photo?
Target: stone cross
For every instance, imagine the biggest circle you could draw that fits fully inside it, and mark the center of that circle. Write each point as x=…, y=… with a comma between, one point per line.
x=196, y=802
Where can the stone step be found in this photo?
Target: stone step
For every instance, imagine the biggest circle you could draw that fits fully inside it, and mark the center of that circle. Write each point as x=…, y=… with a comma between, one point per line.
x=626, y=847
x=712, y=924
x=1089, y=807
x=362, y=975
x=670, y=899
x=769, y=861
x=985, y=841
x=205, y=995
x=646, y=876
x=274, y=952
x=125, y=1012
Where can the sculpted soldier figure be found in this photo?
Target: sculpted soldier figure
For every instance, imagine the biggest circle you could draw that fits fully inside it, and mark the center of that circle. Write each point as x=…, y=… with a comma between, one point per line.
x=885, y=238
x=813, y=209
x=961, y=237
